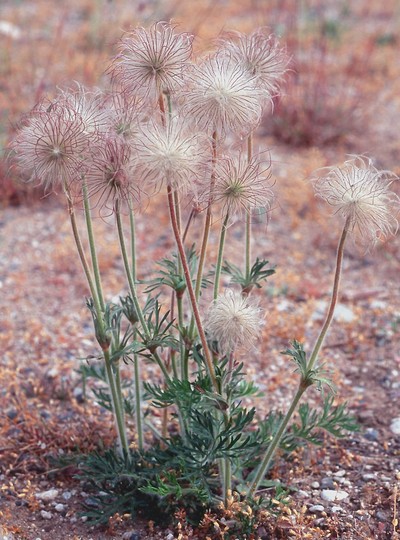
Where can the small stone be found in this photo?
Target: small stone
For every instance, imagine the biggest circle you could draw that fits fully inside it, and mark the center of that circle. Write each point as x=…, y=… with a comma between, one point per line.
x=319, y=521
x=84, y=519
x=59, y=507
x=381, y=516
x=46, y=515
x=131, y=535
x=48, y=495
x=66, y=495
x=333, y=495
x=303, y=494
x=170, y=536
x=327, y=483
x=395, y=426
x=315, y=485
x=369, y=476
x=340, y=473
x=336, y=509
x=316, y=508
x=371, y=434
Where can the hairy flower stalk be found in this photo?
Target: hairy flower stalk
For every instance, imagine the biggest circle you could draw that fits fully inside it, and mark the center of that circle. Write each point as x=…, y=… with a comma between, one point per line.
x=152, y=61
x=360, y=195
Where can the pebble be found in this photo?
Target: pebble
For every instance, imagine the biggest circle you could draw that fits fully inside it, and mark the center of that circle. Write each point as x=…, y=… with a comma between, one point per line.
x=131, y=535
x=368, y=477
x=46, y=515
x=170, y=536
x=371, y=434
x=319, y=521
x=317, y=508
x=303, y=494
x=327, y=483
x=66, y=495
x=48, y=495
x=315, y=485
x=336, y=509
x=381, y=516
x=333, y=495
x=340, y=473
x=60, y=507
x=395, y=426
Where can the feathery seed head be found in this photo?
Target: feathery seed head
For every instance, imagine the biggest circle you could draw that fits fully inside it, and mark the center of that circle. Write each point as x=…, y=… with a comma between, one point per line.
x=52, y=145
x=174, y=154
x=152, y=61
x=260, y=55
x=361, y=195
x=234, y=322
x=242, y=185
x=109, y=177
x=90, y=106
x=222, y=96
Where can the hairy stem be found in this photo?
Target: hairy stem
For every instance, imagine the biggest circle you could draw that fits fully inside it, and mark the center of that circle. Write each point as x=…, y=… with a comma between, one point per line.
x=264, y=465
x=132, y=287
x=248, y=217
x=92, y=245
x=334, y=299
x=81, y=252
x=192, y=295
x=220, y=255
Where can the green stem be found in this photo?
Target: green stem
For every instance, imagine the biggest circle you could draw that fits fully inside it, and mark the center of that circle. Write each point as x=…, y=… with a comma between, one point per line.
x=218, y=267
x=138, y=404
x=92, y=245
x=207, y=224
x=132, y=288
x=116, y=404
x=118, y=414
x=192, y=295
x=137, y=374
x=264, y=465
x=334, y=299
x=81, y=252
x=248, y=216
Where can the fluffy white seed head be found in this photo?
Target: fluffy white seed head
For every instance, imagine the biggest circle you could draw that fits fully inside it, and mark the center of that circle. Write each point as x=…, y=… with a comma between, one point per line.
x=110, y=175
x=260, y=55
x=175, y=154
x=361, y=195
x=222, y=96
x=152, y=60
x=242, y=185
x=234, y=322
x=52, y=146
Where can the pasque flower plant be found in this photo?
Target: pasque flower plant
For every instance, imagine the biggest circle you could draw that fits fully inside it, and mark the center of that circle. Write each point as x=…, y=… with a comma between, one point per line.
x=167, y=125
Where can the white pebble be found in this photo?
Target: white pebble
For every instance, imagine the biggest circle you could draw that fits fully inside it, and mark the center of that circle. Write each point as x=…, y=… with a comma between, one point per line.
x=59, y=507
x=395, y=426
x=333, y=495
x=48, y=495
x=316, y=508
x=340, y=473
x=46, y=515
x=315, y=485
